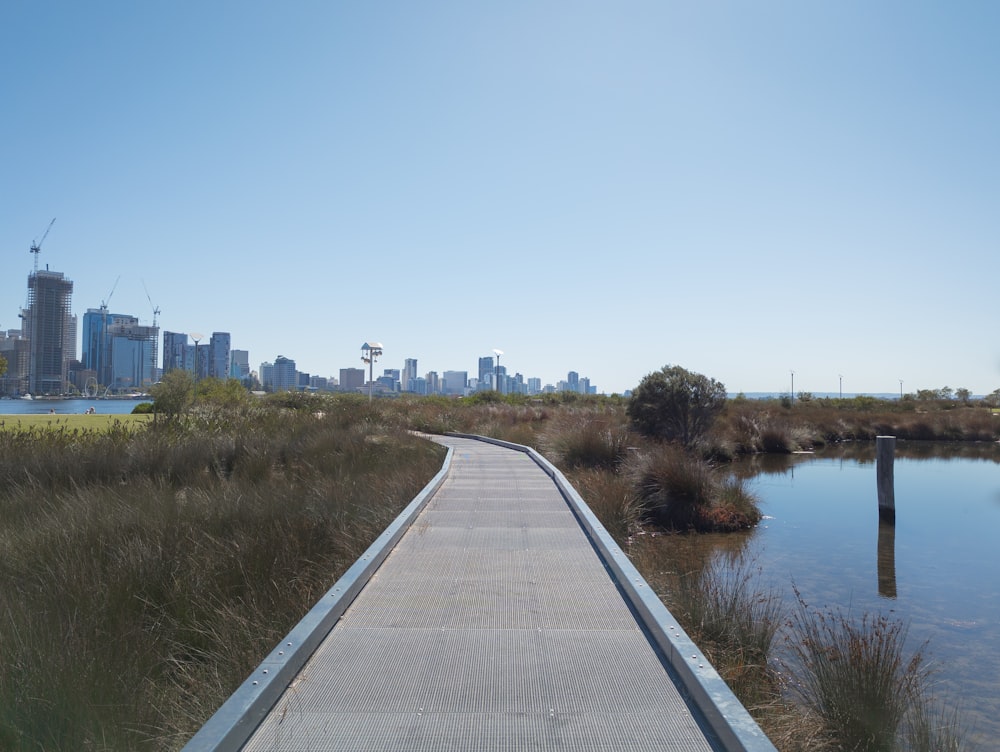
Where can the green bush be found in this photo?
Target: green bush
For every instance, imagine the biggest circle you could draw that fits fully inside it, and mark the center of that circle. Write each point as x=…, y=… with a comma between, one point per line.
x=676, y=404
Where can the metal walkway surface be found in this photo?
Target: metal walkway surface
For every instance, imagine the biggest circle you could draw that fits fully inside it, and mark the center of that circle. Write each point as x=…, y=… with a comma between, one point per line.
x=495, y=624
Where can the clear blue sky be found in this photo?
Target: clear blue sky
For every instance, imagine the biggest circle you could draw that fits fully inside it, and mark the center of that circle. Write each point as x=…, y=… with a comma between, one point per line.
x=740, y=188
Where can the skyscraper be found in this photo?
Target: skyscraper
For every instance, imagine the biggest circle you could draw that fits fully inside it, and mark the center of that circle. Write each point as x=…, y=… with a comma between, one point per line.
x=454, y=382
x=409, y=373
x=118, y=349
x=175, y=351
x=486, y=373
x=218, y=355
x=47, y=323
x=285, y=377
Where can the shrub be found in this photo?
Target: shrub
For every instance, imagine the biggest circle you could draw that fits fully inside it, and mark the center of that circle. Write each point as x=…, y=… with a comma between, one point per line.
x=676, y=404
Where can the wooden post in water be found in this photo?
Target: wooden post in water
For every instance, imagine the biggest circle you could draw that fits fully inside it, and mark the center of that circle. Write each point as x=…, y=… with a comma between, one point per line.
x=885, y=454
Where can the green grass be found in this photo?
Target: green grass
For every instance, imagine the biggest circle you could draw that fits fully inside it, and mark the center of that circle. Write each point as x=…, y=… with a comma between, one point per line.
x=71, y=422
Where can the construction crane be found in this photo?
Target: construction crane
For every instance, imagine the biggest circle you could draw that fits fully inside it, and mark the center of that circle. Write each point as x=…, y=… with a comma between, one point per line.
x=156, y=309
x=36, y=248
x=156, y=312
x=104, y=359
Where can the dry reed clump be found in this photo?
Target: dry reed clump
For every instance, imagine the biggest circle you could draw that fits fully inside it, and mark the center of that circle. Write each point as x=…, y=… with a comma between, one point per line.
x=612, y=498
x=734, y=620
x=145, y=576
x=681, y=491
x=854, y=675
x=582, y=438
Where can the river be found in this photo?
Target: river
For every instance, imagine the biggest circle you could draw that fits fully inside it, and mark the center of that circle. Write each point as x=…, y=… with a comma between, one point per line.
x=68, y=406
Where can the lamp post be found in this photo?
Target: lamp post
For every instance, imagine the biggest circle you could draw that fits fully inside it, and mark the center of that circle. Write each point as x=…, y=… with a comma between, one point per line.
x=197, y=337
x=496, y=378
x=793, y=387
x=900, y=389
x=841, y=376
x=370, y=353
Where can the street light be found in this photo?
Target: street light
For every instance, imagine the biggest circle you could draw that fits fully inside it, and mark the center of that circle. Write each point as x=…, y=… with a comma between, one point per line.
x=370, y=352
x=496, y=379
x=841, y=385
x=197, y=337
x=793, y=387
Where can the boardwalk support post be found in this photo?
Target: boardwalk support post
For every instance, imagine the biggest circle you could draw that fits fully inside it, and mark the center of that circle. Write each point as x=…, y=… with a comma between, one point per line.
x=885, y=454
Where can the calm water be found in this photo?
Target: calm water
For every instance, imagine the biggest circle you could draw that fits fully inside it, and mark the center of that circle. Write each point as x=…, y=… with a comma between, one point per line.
x=64, y=407
x=939, y=572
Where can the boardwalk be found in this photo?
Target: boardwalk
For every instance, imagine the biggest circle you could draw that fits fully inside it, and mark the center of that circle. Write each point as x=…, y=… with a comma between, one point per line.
x=493, y=624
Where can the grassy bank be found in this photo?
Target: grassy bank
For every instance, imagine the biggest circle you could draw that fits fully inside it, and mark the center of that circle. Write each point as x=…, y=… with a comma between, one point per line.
x=146, y=571
x=67, y=422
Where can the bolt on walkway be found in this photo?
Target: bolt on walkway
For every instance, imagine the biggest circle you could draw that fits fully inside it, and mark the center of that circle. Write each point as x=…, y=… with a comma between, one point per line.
x=492, y=625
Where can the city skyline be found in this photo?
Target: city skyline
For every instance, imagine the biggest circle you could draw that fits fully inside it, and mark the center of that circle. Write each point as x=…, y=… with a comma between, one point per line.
x=739, y=189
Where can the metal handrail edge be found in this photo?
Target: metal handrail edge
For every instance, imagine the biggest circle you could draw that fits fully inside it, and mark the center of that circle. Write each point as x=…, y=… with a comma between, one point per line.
x=236, y=720
x=726, y=716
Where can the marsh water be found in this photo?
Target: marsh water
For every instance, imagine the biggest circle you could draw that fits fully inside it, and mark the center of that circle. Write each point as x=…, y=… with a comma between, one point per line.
x=937, y=570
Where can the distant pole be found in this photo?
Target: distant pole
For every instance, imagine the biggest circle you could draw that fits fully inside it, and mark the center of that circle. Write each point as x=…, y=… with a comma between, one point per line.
x=197, y=338
x=793, y=387
x=370, y=353
x=900, y=389
x=841, y=376
x=885, y=455
x=496, y=377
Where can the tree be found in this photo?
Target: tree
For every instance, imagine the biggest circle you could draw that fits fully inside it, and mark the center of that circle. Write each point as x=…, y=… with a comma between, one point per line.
x=963, y=394
x=676, y=404
x=225, y=393
x=173, y=394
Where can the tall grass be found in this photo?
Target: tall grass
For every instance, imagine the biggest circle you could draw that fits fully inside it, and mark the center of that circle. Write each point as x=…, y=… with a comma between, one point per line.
x=146, y=573
x=724, y=605
x=854, y=674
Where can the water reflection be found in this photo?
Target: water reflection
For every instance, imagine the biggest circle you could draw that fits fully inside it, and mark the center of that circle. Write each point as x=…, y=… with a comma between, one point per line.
x=937, y=570
x=886, y=559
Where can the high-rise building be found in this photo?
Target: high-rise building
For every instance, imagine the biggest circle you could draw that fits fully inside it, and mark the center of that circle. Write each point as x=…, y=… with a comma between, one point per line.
x=352, y=379
x=534, y=385
x=285, y=376
x=266, y=375
x=239, y=364
x=433, y=382
x=219, y=353
x=14, y=349
x=454, y=382
x=409, y=373
x=118, y=349
x=175, y=352
x=47, y=327
x=486, y=375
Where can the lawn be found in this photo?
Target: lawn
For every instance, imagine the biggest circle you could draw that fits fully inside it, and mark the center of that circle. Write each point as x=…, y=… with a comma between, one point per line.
x=71, y=422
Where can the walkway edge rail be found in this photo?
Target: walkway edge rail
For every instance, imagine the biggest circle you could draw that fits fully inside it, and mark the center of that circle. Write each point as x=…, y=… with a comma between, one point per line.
x=233, y=723
x=724, y=713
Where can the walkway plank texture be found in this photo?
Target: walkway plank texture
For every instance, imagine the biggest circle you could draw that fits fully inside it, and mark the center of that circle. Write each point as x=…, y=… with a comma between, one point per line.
x=495, y=622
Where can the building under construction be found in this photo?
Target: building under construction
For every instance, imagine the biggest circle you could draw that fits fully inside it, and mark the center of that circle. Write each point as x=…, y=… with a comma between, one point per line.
x=50, y=330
